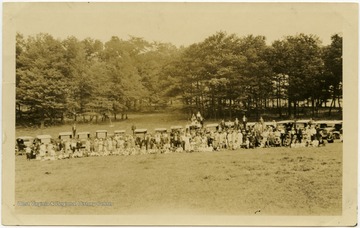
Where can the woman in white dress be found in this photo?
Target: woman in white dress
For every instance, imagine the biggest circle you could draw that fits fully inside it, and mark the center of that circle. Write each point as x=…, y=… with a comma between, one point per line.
x=42, y=151
x=216, y=141
x=51, y=151
x=110, y=146
x=187, y=142
x=67, y=147
x=223, y=140
x=229, y=138
x=101, y=147
x=87, y=146
x=235, y=140
x=241, y=137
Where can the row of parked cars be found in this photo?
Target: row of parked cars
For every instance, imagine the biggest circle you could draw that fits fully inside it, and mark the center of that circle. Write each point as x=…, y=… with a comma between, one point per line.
x=26, y=141
x=331, y=130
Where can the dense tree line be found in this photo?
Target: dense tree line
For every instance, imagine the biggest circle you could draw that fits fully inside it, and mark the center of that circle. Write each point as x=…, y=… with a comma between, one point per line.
x=220, y=76
x=64, y=78
x=226, y=74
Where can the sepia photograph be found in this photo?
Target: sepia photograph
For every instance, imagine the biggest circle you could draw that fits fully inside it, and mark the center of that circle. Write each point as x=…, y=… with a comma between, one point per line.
x=180, y=113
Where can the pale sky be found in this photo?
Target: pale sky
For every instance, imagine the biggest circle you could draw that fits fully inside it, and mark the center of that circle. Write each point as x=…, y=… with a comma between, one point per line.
x=177, y=23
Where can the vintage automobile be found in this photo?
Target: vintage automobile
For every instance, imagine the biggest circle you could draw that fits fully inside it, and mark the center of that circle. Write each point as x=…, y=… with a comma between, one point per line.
x=119, y=132
x=327, y=134
x=101, y=134
x=160, y=130
x=336, y=126
x=250, y=124
x=301, y=124
x=193, y=127
x=229, y=125
x=176, y=128
x=330, y=129
x=140, y=135
x=65, y=136
x=322, y=123
x=83, y=137
x=175, y=139
x=212, y=127
x=270, y=123
x=46, y=139
x=21, y=143
x=285, y=124
x=142, y=131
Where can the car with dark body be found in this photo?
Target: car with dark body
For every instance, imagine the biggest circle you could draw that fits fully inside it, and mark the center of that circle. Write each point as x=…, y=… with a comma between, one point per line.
x=21, y=143
x=330, y=129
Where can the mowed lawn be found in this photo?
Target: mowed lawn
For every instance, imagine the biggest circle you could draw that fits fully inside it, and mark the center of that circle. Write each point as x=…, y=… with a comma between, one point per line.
x=271, y=181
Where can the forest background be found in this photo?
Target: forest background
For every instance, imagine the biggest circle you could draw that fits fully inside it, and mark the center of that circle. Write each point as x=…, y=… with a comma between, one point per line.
x=224, y=76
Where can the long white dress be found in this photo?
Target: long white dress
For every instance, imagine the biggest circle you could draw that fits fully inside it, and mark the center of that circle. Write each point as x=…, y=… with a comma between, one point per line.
x=238, y=140
x=110, y=145
x=187, y=143
x=42, y=150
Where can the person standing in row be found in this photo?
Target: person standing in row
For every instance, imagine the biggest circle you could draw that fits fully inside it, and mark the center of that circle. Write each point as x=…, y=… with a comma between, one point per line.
x=74, y=130
x=244, y=119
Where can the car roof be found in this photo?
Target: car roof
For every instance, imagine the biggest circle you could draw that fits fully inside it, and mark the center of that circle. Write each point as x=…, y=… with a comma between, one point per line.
x=25, y=137
x=65, y=133
x=142, y=130
x=269, y=123
x=193, y=125
x=285, y=121
x=329, y=121
x=176, y=127
x=212, y=125
x=160, y=129
x=119, y=131
x=321, y=122
x=43, y=136
x=101, y=131
x=303, y=121
x=83, y=133
x=334, y=121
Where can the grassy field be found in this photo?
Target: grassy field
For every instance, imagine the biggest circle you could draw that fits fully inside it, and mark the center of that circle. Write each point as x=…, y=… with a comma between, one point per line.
x=272, y=181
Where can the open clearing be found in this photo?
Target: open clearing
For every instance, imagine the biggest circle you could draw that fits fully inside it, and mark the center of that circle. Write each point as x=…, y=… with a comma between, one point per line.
x=271, y=181
x=149, y=121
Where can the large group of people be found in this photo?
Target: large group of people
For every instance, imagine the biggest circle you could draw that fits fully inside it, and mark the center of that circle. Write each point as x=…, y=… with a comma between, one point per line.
x=195, y=137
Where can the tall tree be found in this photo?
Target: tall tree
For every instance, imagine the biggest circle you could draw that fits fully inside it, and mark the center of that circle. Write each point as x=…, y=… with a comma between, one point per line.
x=124, y=80
x=42, y=81
x=151, y=62
x=299, y=57
x=333, y=70
x=224, y=73
x=256, y=72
